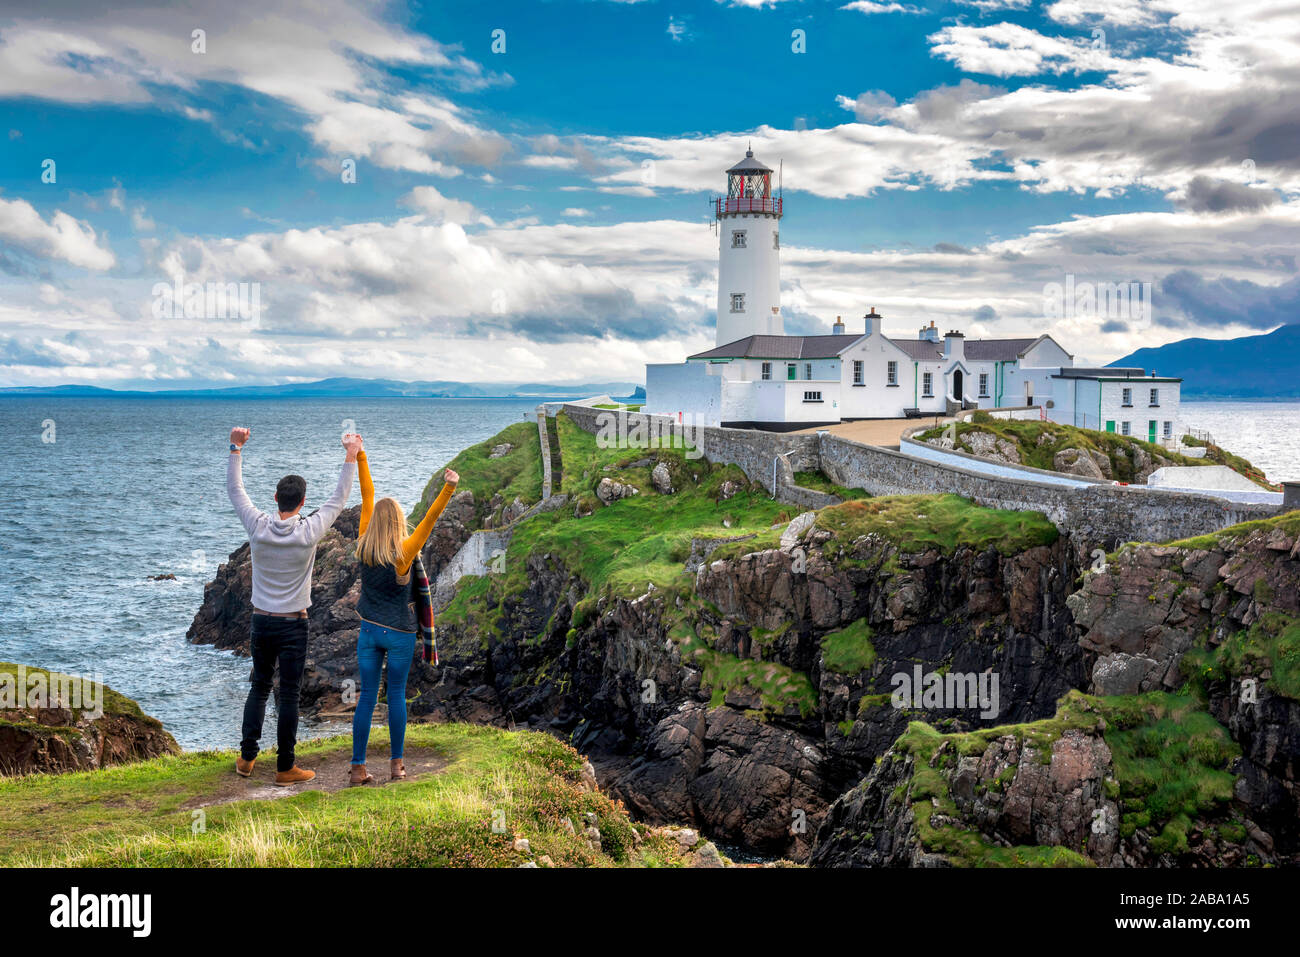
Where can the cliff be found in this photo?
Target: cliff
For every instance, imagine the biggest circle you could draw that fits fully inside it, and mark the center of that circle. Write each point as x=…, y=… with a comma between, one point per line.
x=51, y=722
x=729, y=664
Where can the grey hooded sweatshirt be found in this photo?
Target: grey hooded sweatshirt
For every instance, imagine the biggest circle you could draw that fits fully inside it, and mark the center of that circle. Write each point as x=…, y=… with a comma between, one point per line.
x=284, y=549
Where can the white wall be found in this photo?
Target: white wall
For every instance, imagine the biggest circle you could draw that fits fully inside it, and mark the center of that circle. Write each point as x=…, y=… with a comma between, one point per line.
x=686, y=387
x=754, y=270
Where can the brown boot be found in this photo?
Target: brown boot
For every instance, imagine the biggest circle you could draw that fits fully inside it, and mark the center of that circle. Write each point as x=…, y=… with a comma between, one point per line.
x=244, y=768
x=295, y=775
x=396, y=769
x=360, y=775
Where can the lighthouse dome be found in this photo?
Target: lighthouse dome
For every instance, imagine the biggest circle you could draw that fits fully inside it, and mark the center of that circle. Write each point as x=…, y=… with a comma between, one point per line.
x=750, y=165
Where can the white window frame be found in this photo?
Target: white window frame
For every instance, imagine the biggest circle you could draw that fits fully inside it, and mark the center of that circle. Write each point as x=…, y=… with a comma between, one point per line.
x=927, y=385
x=891, y=372
x=812, y=396
x=1126, y=428
x=737, y=299
x=1126, y=398
x=766, y=371
x=807, y=371
x=1168, y=429
x=984, y=385
x=1155, y=398
x=858, y=372
x=738, y=239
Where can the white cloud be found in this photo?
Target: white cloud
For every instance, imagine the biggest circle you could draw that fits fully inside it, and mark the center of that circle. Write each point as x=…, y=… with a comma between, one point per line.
x=442, y=208
x=62, y=237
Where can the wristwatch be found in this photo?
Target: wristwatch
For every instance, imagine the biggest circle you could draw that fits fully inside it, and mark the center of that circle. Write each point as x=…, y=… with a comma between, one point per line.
x=234, y=447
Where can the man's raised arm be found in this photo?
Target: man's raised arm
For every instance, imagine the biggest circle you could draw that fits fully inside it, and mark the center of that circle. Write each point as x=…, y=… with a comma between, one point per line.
x=248, y=512
x=319, y=522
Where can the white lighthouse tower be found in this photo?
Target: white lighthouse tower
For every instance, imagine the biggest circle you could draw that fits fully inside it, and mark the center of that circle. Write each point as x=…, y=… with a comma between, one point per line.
x=749, y=254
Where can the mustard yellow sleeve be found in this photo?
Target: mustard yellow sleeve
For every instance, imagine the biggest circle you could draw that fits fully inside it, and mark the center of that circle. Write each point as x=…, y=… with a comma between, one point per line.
x=367, y=492
x=415, y=541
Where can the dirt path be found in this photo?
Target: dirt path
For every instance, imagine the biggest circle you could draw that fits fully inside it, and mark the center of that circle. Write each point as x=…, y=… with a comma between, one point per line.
x=331, y=775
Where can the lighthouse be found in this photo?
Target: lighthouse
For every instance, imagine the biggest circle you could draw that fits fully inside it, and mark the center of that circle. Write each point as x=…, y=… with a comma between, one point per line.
x=749, y=254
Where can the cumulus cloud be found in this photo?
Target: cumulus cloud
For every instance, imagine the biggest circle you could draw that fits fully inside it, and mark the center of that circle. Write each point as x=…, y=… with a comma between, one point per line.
x=1206, y=195
x=62, y=237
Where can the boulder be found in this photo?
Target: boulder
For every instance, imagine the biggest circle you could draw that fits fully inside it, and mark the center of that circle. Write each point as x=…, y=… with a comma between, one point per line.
x=661, y=479
x=609, y=491
x=500, y=450
x=1076, y=462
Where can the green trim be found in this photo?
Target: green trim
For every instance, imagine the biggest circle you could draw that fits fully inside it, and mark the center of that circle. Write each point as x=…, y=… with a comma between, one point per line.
x=916, y=383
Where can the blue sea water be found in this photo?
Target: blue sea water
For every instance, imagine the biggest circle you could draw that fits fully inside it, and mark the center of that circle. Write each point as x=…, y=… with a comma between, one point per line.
x=132, y=487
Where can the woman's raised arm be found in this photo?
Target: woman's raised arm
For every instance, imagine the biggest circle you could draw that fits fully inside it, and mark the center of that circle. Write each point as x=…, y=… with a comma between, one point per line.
x=367, y=492
x=415, y=541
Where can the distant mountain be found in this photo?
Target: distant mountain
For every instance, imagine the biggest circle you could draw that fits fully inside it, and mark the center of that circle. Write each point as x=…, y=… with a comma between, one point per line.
x=360, y=388
x=1250, y=367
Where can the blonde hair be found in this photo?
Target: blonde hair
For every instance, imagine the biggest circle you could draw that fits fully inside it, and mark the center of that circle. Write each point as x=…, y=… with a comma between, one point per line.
x=381, y=542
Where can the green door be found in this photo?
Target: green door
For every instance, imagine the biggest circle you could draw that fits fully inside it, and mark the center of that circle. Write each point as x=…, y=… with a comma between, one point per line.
x=1110, y=425
x=1151, y=430
x=790, y=370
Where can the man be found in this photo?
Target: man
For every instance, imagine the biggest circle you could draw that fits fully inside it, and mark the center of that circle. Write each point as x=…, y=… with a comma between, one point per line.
x=283, y=551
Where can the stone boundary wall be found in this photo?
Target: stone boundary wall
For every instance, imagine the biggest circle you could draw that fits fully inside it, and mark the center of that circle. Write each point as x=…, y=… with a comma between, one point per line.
x=1101, y=515
x=546, y=452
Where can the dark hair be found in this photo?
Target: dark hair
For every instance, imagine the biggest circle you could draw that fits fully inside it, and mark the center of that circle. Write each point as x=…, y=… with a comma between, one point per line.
x=290, y=492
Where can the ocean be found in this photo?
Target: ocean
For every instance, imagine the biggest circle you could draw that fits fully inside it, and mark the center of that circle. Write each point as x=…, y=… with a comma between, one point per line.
x=104, y=493
x=132, y=487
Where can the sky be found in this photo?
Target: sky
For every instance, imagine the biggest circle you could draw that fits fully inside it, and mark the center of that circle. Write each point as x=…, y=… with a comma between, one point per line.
x=491, y=191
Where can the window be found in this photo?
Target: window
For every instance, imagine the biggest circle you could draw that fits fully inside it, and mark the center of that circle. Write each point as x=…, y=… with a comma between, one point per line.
x=1155, y=398
x=807, y=370
x=857, y=372
x=1169, y=429
x=984, y=385
x=737, y=239
x=891, y=373
x=927, y=384
x=737, y=302
x=1126, y=428
x=812, y=396
x=767, y=370
x=1127, y=400
x=776, y=240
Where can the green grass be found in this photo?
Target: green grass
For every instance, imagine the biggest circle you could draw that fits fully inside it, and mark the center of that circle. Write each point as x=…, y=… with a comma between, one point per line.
x=1170, y=759
x=134, y=815
x=781, y=690
x=1038, y=442
x=819, y=482
x=518, y=473
x=916, y=523
x=849, y=650
x=1270, y=644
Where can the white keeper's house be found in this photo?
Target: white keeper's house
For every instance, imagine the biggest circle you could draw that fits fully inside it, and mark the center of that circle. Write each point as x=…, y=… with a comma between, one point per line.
x=758, y=377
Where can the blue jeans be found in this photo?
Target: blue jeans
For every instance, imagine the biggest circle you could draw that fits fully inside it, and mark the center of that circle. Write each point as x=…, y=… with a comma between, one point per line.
x=373, y=643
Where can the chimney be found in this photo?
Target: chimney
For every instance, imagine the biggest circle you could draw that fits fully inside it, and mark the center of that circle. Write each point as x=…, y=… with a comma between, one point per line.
x=929, y=333
x=872, y=327
x=838, y=328
x=954, y=345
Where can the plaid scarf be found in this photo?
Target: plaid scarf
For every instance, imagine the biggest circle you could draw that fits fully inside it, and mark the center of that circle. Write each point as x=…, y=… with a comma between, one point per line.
x=422, y=595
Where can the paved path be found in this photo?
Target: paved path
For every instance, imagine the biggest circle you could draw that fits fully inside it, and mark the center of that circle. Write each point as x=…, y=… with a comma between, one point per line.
x=886, y=432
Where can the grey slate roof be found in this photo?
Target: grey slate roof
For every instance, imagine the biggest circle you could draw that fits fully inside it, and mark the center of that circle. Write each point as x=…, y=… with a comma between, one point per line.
x=827, y=347
x=779, y=347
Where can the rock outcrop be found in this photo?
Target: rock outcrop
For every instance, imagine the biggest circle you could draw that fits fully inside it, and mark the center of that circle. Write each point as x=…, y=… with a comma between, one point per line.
x=50, y=722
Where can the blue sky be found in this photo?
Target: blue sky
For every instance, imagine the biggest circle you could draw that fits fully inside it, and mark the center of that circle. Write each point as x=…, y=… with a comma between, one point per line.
x=540, y=211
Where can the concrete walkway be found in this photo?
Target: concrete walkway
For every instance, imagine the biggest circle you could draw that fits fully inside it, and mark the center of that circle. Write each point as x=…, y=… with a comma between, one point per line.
x=884, y=432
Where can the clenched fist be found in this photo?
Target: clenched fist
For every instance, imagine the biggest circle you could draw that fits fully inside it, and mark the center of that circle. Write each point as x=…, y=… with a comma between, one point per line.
x=239, y=435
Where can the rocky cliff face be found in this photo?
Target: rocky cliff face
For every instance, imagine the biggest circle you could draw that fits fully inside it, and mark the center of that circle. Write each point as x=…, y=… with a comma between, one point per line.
x=749, y=692
x=55, y=731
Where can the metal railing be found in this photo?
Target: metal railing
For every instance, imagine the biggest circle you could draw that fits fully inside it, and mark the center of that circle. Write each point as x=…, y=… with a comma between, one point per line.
x=747, y=204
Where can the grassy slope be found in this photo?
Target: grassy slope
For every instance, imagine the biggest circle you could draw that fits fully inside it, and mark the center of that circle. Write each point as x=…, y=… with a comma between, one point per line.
x=1170, y=759
x=518, y=473
x=134, y=815
x=1053, y=436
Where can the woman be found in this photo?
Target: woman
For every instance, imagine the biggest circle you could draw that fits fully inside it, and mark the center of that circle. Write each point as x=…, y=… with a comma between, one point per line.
x=388, y=623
